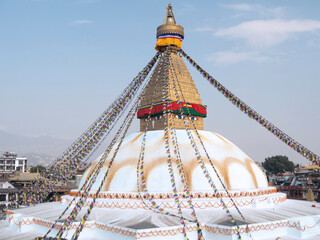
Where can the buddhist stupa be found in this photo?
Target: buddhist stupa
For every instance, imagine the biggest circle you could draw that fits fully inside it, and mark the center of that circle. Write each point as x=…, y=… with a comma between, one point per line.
x=142, y=204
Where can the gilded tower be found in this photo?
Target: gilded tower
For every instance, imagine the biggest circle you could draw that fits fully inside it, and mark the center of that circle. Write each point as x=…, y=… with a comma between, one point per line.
x=180, y=83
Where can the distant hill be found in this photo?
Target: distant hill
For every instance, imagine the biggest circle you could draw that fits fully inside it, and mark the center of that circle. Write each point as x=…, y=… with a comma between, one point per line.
x=39, y=150
x=35, y=159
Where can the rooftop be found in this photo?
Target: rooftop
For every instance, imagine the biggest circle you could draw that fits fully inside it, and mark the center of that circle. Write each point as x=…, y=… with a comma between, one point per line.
x=25, y=176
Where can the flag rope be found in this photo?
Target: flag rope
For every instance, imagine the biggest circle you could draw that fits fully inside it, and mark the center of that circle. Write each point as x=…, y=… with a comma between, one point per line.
x=140, y=165
x=63, y=166
x=308, y=154
x=91, y=178
x=98, y=167
x=127, y=124
x=167, y=115
x=206, y=152
x=199, y=157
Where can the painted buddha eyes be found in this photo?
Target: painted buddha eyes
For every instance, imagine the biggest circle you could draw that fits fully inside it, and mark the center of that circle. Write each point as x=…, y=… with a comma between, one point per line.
x=191, y=118
x=158, y=117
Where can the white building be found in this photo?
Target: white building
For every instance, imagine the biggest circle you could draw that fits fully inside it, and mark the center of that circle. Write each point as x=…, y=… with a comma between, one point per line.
x=8, y=193
x=9, y=163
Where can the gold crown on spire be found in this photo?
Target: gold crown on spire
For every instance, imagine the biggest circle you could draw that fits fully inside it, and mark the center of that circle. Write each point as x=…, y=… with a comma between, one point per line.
x=169, y=33
x=169, y=16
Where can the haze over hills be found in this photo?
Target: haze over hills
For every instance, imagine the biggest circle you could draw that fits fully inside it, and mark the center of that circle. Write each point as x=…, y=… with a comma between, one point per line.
x=39, y=150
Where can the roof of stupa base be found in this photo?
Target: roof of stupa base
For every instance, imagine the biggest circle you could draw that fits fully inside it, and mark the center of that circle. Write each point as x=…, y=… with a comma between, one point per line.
x=291, y=219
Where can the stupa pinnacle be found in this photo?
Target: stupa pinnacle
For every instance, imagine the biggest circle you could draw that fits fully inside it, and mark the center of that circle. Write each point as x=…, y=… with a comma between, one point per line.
x=183, y=94
x=169, y=33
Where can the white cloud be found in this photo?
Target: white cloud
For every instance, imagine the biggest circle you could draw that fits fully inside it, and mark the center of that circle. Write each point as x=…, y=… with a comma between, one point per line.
x=260, y=10
x=315, y=41
x=3, y=128
x=268, y=32
x=230, y=57
x=83, y=21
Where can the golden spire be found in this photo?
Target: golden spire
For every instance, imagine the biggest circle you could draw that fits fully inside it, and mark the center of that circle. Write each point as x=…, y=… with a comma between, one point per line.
x=183, y=95
x=169, y=33
x=169, y=16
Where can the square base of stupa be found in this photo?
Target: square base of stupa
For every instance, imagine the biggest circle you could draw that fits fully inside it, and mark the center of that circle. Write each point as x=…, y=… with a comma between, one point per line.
x=291, y=219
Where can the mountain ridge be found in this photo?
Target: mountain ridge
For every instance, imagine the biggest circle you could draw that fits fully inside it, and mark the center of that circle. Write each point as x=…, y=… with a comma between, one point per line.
x=39, y=150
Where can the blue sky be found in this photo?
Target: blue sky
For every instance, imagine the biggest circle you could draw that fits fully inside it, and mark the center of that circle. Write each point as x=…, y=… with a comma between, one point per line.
x=62, y=62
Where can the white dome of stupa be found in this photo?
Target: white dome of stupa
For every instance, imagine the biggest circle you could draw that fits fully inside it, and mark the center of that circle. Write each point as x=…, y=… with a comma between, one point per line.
x=236, y=169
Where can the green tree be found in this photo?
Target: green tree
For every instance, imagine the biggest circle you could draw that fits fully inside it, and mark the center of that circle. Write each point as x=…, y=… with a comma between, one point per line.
x=278, y=164
x=38, y=168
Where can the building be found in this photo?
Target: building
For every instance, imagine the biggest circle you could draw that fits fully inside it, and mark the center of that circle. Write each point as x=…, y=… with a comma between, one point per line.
x=22, y=180
x=296, y=185
x=281, y=179
x=10, y=163
x=8, y=193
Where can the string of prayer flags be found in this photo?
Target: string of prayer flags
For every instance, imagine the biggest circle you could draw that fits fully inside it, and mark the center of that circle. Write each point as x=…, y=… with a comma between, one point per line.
x=256, y=116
